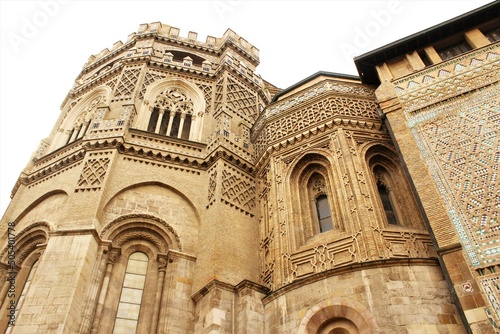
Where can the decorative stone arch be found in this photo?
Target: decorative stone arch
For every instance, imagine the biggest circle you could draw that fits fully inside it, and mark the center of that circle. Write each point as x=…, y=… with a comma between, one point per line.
x=172, y=185
x=184, y=87
x=28, y=248
x=130, y=235
x=142, y=227
x=338, y=315
x=28, y=240
x=386, y=173
x=78, y=118
x=308, y=177
x=34, y=205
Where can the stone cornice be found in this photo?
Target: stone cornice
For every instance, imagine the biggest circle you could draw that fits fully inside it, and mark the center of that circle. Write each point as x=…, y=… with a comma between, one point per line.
x=216, y=284
x=221, y=152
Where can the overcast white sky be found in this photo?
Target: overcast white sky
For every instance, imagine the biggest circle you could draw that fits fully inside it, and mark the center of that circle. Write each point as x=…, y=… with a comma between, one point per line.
x=44, y=45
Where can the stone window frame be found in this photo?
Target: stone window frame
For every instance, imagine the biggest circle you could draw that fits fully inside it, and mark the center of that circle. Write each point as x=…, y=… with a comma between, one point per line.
x=126, y=235
x=30, y=244
x=78, y=119
x=149, y=310
x=385, y=168
x=170, y=119
x=305, y=224
x=185, y=87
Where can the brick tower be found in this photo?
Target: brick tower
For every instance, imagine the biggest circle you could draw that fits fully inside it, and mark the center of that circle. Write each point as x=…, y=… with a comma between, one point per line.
x=179, y=192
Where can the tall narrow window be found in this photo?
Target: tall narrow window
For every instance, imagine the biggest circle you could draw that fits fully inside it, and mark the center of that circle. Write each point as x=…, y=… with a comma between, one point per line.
x=324, y=214
x=153, y=120
x=164, y=122
x=20, y=301
x=387, y=204
x=127, y=316
x=172, y=114
x=175, y=125
x=186, y=127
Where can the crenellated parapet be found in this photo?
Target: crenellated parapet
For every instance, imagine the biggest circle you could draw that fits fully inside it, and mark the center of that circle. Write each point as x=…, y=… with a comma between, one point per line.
x=152, y=38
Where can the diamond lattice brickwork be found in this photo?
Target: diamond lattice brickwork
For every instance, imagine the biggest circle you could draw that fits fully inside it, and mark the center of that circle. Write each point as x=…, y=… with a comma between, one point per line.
x=93, y=174
x=150, y=78
x=127, y=83
x=241, y=100
x=238, y=190
x=465, y=143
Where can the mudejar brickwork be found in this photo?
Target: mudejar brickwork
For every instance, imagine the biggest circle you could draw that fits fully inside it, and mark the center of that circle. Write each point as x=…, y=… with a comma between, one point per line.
x=181, y=192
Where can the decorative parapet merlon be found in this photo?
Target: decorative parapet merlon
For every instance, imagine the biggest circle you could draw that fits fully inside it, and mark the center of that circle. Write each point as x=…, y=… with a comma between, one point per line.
x=169, y=33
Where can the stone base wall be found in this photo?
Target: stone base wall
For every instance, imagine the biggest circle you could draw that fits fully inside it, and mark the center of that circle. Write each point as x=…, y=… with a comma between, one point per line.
x=399, y=299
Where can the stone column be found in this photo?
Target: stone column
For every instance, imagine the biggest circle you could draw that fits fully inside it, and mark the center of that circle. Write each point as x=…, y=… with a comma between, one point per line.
x=114, y=253
x=162, y=265
x=158, y=121
x=82, y=130
x=170, y=121
x=74, y=134
x=181, y=125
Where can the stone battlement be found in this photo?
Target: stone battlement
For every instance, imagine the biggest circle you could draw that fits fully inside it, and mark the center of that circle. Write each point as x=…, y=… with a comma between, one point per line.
x=173, y=33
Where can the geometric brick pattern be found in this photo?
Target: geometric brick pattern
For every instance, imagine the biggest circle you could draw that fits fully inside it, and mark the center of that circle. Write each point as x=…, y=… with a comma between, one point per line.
x=410, y=83
x=149, y=78
x=462, y=143
x=219, y=89
x=238, y=190
x=127, y=83
x=207, y=91
x=93, y=174
x=212, y=185
x=241, y=100
x=320, y=112
x=477, y=74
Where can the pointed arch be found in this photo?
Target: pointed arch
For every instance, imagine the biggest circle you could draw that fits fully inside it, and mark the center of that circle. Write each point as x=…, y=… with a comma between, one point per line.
x=77, y=119
x=311, y=183
x=185, y=117
x=392, y=193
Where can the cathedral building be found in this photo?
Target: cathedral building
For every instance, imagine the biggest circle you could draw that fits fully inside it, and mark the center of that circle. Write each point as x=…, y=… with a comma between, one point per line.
x=180, y=192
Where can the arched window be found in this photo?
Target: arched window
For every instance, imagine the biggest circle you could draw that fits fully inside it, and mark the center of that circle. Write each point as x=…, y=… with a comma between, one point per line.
x=324, y=214
x=314, y=200
x=127, y=316
x=81, y=118
x=390, y=214
x=387, y=202
x=27, y=284
x=317, y=191
x=393, y=198
x=172, y=114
